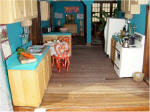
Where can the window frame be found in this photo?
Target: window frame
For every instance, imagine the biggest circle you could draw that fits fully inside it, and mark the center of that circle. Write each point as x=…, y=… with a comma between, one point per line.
x=101, y=8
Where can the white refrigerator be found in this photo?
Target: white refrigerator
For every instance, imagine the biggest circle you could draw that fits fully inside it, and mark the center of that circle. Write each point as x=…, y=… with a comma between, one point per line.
x=113, y=26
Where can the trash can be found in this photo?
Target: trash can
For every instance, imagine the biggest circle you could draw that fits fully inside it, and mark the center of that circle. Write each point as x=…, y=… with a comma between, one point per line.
x=138, y=76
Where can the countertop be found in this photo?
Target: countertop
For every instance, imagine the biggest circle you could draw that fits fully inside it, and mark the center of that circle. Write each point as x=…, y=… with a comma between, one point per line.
x=57, y=33
x=14, y=64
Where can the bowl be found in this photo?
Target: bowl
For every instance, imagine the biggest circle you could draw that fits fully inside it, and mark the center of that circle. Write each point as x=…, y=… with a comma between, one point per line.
x=63, y=29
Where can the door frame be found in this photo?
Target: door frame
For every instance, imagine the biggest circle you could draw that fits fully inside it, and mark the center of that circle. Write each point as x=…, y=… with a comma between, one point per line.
x=146, y=51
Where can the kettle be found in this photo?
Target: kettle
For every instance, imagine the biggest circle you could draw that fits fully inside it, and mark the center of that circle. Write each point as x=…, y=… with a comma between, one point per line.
x=125, y=43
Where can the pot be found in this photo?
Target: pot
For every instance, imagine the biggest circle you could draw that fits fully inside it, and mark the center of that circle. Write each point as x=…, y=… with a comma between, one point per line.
x=131, y=40
x=125, y=43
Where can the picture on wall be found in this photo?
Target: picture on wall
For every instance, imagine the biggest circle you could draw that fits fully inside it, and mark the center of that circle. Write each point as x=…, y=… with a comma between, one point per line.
x=3, y=33
x=6, y=50
x=4, y=42
x=71, y=9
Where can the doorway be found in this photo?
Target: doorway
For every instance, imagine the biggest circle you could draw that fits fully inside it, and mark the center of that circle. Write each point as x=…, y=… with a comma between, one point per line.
x=100, y=11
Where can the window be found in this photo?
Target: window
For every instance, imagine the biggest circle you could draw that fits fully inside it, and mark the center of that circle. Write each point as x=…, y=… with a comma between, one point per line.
x=97, y=8
x=95, y=11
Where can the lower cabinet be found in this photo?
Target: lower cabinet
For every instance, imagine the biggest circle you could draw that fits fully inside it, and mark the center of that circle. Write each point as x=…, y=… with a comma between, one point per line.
x=28, y=86
x=113, y=47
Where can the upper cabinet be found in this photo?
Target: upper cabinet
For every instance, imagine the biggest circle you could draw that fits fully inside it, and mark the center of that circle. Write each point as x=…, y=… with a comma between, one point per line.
x=45, y=10
x=27, y=8
x=12, y=11
x=140, y=2
x=34, y=10
x=30, y=7
x=132, y=6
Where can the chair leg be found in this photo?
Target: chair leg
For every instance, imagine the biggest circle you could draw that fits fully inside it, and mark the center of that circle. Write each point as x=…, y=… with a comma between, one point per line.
x=68, y=64
x=58, y=64
x=52, y=61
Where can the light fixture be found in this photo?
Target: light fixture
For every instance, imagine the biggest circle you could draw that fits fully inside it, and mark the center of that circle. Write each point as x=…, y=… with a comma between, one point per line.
x=26, y=23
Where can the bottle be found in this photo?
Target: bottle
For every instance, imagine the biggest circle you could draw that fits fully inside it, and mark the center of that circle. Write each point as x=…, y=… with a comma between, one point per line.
x=124, y=28
x=123, y=32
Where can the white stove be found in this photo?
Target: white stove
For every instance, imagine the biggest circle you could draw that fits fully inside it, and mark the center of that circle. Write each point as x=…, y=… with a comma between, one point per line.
x=129, y=60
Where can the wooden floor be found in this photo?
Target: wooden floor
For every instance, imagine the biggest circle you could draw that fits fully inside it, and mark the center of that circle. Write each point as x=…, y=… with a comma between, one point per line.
x=82, y=90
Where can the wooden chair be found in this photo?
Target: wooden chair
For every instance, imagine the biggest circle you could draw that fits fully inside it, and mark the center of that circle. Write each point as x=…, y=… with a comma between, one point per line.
x=62, y=56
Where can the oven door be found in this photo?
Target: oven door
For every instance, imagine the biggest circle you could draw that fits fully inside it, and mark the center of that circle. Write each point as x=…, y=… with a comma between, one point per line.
x=117, y=58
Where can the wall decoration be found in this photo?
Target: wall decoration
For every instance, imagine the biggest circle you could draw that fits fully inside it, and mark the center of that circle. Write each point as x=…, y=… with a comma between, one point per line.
x=6, y=50
x=70, y=19
x=4, y=42
x=79, y=16
x=3, y=33
x=71, y=9
x=58, y=15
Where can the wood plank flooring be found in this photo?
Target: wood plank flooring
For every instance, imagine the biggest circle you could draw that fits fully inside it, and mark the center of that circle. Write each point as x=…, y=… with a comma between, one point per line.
x=86, y=87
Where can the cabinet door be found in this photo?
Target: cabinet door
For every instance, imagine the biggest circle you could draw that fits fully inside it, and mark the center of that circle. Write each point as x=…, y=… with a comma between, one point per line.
x=11, y=11
x=139, y=1
x=18, y=9
x=43, y=63
x=48, y=64
x=135, y=9
x=34, y=8
x=40, y=81
x=27, y=9
x=45, y=13
x=5, y=12
x=123, y=5
x=127, y=5
x=46, y=69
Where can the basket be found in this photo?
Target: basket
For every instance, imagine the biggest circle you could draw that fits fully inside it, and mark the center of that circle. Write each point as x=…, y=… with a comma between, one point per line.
x=138, y=76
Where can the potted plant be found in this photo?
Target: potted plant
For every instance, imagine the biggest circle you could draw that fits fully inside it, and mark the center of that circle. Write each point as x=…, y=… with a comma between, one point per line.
x=102, y=23
x=102, y=20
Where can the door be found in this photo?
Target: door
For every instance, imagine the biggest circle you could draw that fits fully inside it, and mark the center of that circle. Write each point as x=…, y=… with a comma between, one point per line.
x=146, y=53
x=99, y=9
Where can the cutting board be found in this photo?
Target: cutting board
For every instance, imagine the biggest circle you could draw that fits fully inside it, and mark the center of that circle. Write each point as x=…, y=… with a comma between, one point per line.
x=24, y=60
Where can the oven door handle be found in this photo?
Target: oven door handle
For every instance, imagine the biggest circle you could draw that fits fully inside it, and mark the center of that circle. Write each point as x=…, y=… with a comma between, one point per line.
x=117, y=50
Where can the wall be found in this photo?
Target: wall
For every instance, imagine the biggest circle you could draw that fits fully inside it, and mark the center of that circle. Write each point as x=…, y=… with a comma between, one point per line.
x=59, y=8
x=88, y=4
x=60, y=5
x=14, y=30
x=45, y=24
x=139, y=20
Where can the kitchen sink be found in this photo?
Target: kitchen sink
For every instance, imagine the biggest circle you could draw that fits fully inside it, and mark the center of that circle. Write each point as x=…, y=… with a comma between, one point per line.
x=36, y=49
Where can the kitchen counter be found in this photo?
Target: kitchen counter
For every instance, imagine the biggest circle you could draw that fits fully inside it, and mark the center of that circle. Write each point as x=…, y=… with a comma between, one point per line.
x=14, y=64
x=28, y=82
x=138, y=43
x=57, y=33
x=54, y=36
